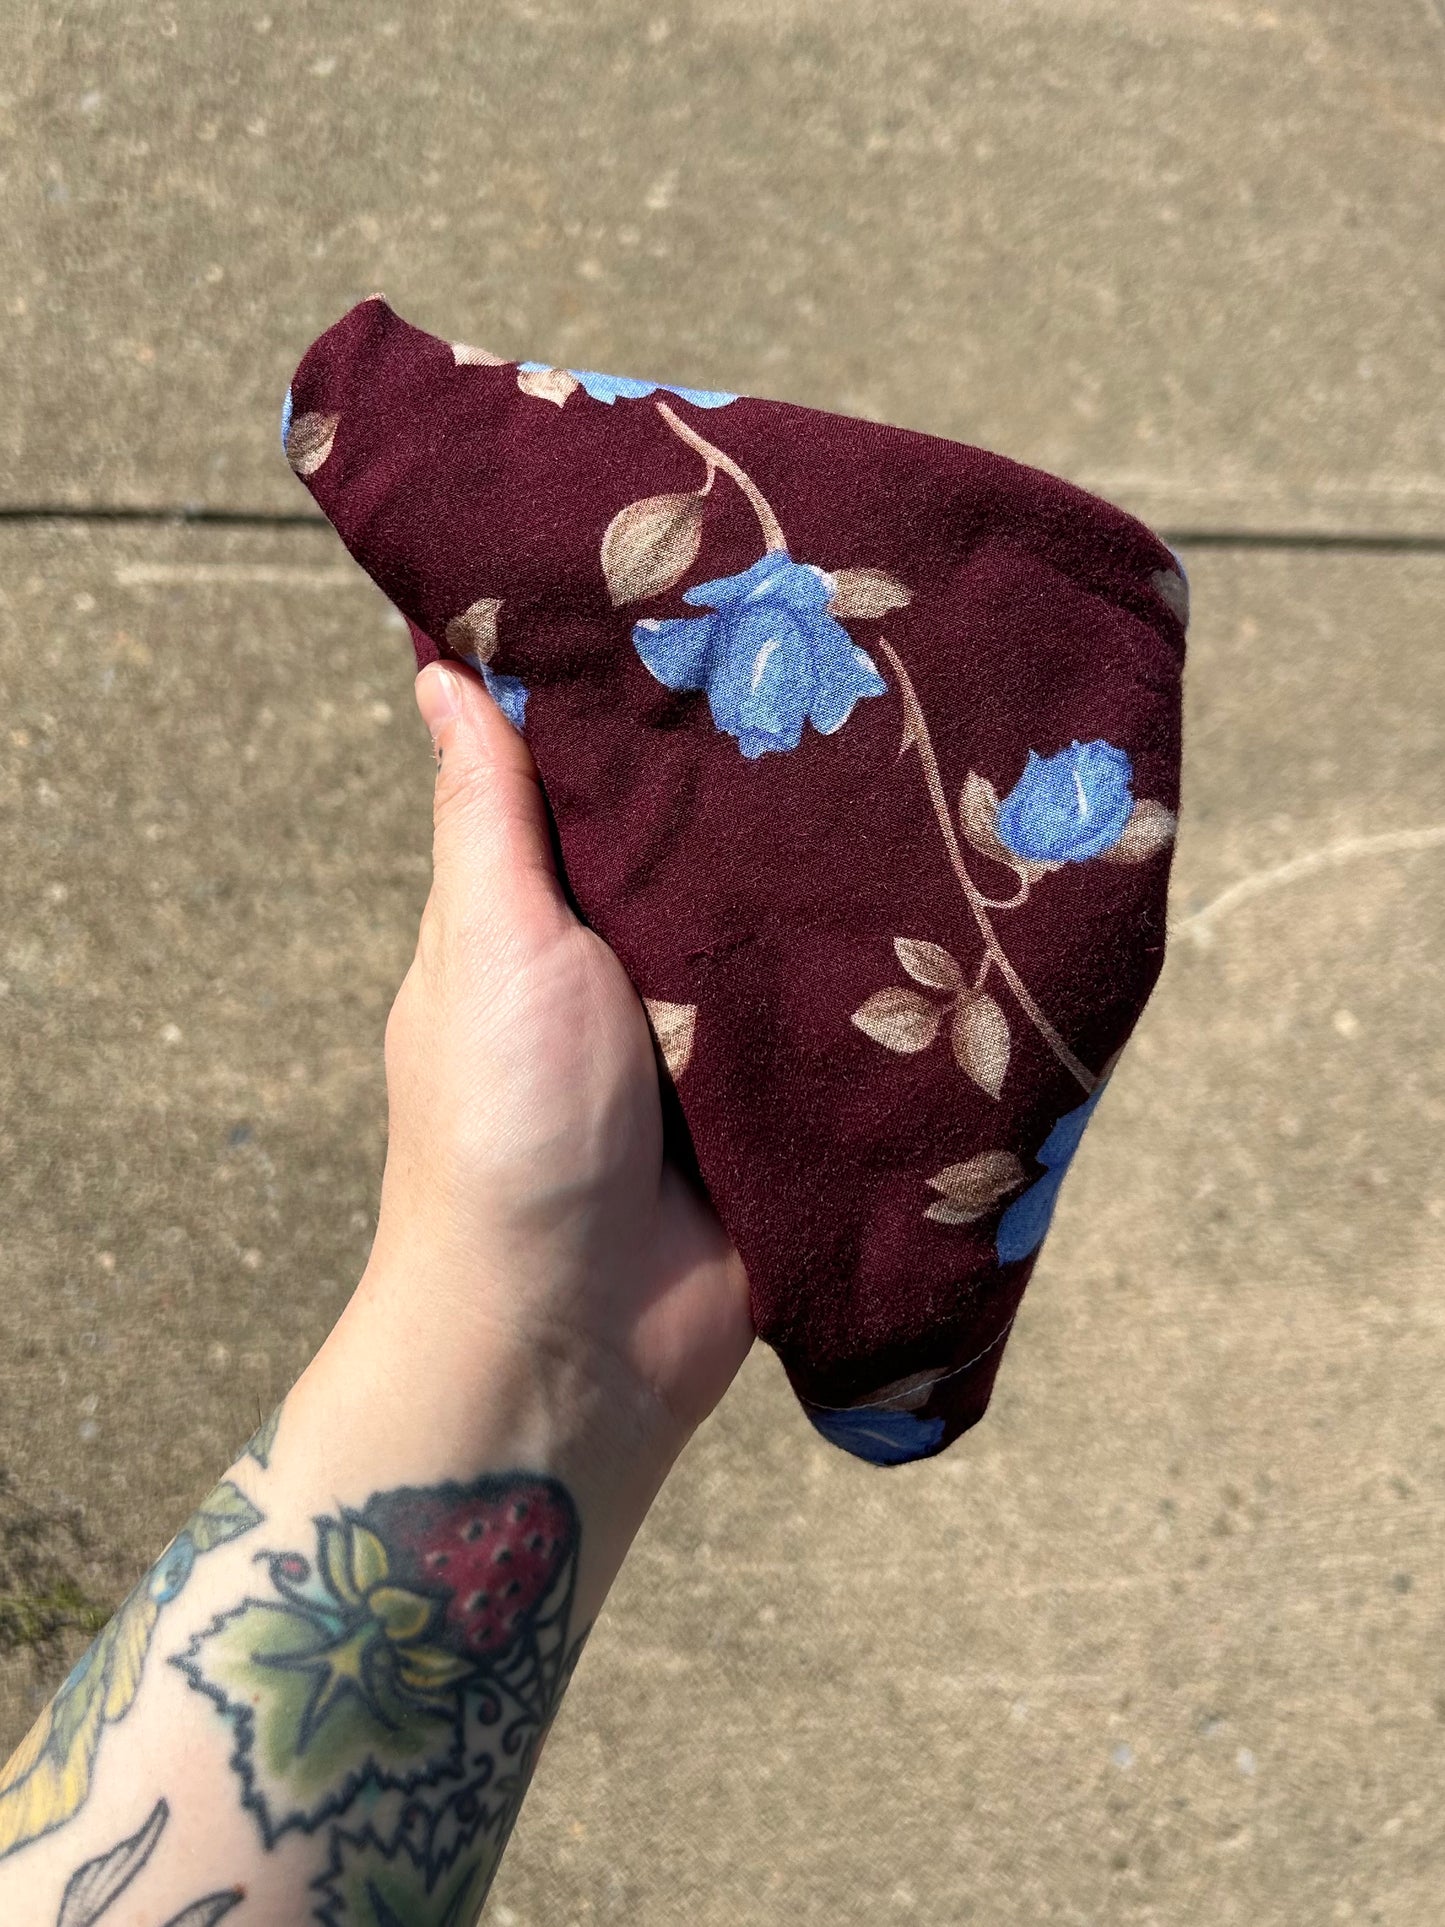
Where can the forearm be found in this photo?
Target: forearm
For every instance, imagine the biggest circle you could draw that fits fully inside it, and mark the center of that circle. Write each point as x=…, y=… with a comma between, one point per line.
x=338, y=1678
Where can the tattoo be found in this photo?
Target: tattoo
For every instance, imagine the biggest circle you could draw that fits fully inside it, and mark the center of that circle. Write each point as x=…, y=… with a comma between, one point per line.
x=263, y=1438
x=393, y=1695
x=92, y=1888
x=205, y=1913
x=47, y=1779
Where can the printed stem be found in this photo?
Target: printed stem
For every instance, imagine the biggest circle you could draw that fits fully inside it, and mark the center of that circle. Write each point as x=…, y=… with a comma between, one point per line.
x=772, y=529
x=1021, y=895
x=916, y=732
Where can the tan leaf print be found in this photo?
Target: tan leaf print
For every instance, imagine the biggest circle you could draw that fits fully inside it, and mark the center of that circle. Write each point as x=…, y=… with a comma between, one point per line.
x=972, y=1188
x=899, y=1019
x=309, y=441
x=548, y=384
x=977, y=816
x=651, y=544
x=1150, y=829
x=905, y=1394
x=675, y=1027
x=466, y=356
x=473, y=634
x=928, y=963
x=944, y=1211
x=861, y=593
x=981, y=1041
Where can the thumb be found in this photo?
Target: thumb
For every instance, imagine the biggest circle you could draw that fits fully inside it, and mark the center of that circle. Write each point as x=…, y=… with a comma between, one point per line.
x=491, y=845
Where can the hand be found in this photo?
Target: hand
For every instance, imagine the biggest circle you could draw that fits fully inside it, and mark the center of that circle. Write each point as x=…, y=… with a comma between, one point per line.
x=525, y=1191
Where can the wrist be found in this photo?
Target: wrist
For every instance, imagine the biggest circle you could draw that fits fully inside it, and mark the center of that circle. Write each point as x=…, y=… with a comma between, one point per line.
x=495, y=1293
x=404, y=1377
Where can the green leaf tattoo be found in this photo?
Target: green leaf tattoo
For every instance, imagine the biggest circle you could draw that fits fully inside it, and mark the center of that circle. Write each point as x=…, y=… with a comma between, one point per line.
x=369, y=1887
x=223, y=1514
x=392, y=1693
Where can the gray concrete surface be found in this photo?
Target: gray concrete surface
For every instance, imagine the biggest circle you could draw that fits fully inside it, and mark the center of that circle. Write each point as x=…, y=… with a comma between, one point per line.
x=1159, y=1643
x=1185, y=252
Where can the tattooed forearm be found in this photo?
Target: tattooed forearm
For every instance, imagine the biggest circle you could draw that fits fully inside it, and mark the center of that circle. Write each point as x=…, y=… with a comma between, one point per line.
x=93, y=1887
x=392, y=1692
x=388, y=1693
x=47, y=1779
x=361, y=1640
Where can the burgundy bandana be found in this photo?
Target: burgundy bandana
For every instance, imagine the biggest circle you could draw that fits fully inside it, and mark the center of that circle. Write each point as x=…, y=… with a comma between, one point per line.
x=863, y=751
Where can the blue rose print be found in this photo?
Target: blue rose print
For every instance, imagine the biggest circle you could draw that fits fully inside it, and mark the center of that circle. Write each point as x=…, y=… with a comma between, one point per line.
x=508, y=692
x=285, y=420
x=769, y=655
x=608, y=387
x=883, y=1438
x=1068, y=807
x=1023, y=1226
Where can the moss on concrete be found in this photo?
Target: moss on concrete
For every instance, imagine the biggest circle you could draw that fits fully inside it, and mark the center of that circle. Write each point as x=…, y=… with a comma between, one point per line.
x=36, y=1619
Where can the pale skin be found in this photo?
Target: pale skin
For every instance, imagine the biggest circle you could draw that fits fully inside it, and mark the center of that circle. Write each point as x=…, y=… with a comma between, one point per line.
x=390, y=1587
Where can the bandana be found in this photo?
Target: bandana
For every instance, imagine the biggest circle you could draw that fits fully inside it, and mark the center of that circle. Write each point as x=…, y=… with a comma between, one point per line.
x=863, y=749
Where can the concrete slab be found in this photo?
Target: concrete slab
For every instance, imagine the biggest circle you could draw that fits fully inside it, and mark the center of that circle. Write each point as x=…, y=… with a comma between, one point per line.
x=1185, y=253
x=1157, y=1644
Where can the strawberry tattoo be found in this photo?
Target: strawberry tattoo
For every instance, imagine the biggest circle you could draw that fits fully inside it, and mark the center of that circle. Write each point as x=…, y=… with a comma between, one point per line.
x=492, y=1557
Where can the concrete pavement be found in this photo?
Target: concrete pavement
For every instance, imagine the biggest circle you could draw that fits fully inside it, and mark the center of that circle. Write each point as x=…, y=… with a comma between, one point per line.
x=1159, y=1642
x=1185, y=253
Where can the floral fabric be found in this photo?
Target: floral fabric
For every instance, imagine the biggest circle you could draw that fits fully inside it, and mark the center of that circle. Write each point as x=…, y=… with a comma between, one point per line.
x=1068, y=807
x=769, y=655
x=863, y=748
x=608, y=387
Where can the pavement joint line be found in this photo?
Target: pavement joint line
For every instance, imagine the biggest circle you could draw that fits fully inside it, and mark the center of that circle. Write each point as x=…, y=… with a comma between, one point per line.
x=1430, y=836
x=214, y=518
x=1379, y=541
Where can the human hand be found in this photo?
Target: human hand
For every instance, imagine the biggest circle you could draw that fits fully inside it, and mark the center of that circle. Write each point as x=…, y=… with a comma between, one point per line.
x=525, y=1192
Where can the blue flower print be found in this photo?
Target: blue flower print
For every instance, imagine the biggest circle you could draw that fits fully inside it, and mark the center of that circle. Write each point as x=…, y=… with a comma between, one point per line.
x=1068, y=807
x=881, y=1437
x=508, y=692
x=285, y=420
x=1023, y=1226
x=608, y=387
x=769, y=655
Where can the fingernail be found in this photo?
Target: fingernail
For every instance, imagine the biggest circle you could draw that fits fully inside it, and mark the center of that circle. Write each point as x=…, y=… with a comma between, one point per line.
x=438, y=697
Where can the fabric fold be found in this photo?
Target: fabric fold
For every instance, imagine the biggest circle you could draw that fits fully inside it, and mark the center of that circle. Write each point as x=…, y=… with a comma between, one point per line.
x=863, y=747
